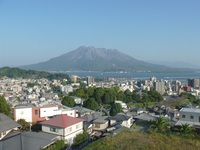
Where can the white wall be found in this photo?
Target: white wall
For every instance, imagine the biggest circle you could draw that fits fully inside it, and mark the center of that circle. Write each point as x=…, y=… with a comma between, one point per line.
x=24, y=113
x=49, y=111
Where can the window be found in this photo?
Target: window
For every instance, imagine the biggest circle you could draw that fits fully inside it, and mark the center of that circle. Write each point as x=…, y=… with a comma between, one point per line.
x=53, y=130
x=191, y=117
x=69, y=129
x=183, y=116
x=36, y=112
x=78, y=126
x=97, y=125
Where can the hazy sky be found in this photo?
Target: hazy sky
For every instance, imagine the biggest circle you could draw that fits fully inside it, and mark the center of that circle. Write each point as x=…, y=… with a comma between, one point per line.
x=37, y=30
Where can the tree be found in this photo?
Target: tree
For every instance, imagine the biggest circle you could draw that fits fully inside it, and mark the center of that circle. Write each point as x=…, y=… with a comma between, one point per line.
x=4, y=107
x=91, y=104
x=106, y=98
x=160, y=125
x=80, y=138
x=186, y=130
x=68, y=101
x=115, y=109
x=25, y=125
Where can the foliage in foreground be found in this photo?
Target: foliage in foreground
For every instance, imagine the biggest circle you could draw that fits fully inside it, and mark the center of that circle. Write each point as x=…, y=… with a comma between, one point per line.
x=145, y=141
x=58, y=145
x=81, y=138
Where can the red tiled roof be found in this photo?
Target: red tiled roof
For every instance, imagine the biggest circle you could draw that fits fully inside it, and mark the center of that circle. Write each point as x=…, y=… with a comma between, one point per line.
x=62, y=121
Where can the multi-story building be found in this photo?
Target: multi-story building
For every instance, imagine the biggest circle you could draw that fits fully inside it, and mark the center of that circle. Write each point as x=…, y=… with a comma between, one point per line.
x=159, y=86
x=32, y=113
x=193, y=83
x=90, y=80
x=65, y=126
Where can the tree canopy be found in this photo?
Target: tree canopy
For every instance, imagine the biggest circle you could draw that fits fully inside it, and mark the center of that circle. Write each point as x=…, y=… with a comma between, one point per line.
x=4, y=107
x=68, y=101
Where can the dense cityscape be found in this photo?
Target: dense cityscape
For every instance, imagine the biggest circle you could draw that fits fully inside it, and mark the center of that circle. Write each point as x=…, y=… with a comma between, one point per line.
x=78, y=111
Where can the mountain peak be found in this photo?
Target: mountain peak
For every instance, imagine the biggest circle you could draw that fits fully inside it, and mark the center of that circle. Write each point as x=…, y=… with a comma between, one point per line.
x=95, y=59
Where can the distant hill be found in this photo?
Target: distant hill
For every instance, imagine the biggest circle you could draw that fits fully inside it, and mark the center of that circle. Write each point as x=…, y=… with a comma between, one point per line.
x=20, y=73
x=176, y=64
x=98, y=59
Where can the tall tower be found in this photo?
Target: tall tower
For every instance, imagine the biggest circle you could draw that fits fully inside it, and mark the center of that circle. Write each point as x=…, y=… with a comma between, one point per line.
x=90, y=80
x=159, y=86
x=193, y=83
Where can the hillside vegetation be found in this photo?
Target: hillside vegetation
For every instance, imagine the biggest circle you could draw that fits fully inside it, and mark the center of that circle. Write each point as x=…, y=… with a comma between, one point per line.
x=130, y=140
x=20, y=73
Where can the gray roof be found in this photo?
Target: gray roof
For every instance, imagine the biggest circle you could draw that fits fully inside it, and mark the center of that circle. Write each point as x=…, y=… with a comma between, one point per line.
x=82, y=110
x=194, y=110
x=144, y=116
x=103, y=119
x=7, y=123
x=90, y=117
x=120, y=118
x=27, y=141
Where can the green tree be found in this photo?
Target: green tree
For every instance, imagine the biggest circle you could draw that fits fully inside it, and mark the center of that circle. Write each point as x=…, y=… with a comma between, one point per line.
x=160, y=125
x=80, y=138
x=115, y=109
x=154, y=96
x=106, y=98
x=121, y=96
x=186, y=130
x=68, y=101
x=4, y=107
x=91, y=104
x=25, y=126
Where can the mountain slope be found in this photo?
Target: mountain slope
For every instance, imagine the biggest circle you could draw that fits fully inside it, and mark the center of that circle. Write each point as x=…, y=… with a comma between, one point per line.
x=97, y=59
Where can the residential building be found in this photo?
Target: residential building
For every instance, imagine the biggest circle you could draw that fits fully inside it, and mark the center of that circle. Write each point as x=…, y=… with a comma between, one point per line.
x=7, y=125
x=193, y=83
x=123, y=120
x=81, y=111
x=32, y=113
x=159, y=86
x=100, y=124
x=90, y=80
x=190, y=116
x=28, y=141
x=65, y=126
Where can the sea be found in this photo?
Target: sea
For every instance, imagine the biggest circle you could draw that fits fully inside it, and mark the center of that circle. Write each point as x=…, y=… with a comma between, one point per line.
x=136, y=76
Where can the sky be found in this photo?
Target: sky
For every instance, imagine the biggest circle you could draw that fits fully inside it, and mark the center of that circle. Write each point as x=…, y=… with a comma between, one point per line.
x=35, y=31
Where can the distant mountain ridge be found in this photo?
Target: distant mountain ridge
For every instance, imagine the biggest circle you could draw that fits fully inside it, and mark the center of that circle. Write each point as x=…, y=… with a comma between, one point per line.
x=98, y=59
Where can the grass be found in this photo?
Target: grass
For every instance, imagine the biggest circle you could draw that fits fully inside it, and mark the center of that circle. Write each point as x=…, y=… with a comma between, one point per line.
x=129, y=140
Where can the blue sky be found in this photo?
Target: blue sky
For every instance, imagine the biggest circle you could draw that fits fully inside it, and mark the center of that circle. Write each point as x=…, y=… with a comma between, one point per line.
x=37, y=30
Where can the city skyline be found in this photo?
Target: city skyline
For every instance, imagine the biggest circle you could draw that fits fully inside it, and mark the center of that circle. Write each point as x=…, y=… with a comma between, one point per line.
x=36, y=31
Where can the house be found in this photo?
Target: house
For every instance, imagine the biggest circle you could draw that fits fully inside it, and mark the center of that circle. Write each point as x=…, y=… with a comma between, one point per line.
x=190, y=116
x=100, y=124
x=33, y=113
x=88, y=118
x=77, y=100
x=7, y=125
x=65, y=126
x=81, y=111
x=123, y=105
x=28, y=141
x=123, y=120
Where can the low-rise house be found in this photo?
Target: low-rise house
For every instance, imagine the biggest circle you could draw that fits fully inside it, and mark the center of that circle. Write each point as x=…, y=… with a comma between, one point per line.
x=81, y=111
x=65, y=126
x=123, y=120
x=7, y=125
x=123, y=105
x=190, y=116
x=100, y=124
x=88, y=118
x=28, y=141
